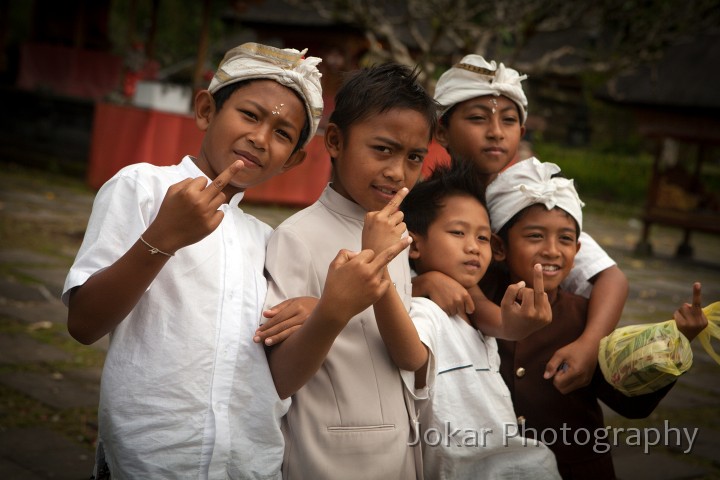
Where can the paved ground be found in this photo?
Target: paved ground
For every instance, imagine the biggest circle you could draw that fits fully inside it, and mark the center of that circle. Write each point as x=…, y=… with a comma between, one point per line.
x=49, y=384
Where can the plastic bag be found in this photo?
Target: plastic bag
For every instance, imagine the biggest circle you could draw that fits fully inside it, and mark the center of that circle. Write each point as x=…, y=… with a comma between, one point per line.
x=712, y=312
x=640, y=359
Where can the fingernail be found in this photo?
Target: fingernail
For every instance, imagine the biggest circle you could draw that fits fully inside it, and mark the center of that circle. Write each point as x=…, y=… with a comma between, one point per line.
x=256, y=339
x=268, y=341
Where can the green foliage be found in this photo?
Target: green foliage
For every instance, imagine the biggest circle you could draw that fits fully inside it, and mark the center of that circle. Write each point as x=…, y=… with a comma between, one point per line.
x=607, y=177
x=177, y=34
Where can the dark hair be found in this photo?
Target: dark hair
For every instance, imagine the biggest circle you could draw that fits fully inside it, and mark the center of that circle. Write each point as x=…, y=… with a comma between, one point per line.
x=377, y=89
x=445, y=117
x=220, y=96
x=422, y=205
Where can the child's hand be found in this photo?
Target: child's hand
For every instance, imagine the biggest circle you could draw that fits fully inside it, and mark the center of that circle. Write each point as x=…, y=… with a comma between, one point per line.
x=355, y=281
x=572, y=366
x=284, y=319
x=690, y=319
x=525, y=310
x=445, y=291
x=384, y=227
x=189, y=212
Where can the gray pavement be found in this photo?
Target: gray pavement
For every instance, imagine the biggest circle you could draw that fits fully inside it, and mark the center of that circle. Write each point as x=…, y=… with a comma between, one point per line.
x=49, y=384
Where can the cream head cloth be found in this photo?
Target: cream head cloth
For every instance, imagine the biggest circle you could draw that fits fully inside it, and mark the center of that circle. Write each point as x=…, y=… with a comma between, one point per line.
x=287, y=66
x=526, y=183
x=475, y=77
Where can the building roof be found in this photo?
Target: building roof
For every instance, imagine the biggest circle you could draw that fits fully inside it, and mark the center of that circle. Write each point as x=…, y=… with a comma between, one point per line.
x=686, y=77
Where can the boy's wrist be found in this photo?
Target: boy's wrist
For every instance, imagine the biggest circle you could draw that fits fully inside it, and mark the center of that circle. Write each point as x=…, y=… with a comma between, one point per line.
x=331, y=314
x=155, y=250
x=590, y=340
x=162, y=243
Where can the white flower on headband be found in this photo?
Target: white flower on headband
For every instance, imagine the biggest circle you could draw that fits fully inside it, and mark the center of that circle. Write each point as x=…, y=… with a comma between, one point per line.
x=546, y=192
x=530, y=182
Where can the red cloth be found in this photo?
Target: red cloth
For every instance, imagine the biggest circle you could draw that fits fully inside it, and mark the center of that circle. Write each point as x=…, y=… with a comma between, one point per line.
x=436, y=155
x=123, y=135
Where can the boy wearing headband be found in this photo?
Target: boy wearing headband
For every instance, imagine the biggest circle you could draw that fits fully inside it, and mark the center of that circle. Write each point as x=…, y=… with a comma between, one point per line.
x=484, y=110
x=537, y=219
x=172, y=268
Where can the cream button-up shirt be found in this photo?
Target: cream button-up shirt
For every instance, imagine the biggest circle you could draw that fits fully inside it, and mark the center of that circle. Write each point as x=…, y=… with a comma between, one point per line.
x=352, y=419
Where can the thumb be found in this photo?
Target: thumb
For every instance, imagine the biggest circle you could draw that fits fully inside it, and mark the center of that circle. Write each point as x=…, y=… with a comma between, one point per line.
x=553, y=365
x=469, y=305
x=343, y=257
x=511, y=294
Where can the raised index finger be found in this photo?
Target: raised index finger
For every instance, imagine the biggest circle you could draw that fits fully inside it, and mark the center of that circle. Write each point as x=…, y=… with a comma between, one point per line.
x=225, y=176
x=394, y=204
x=538, y=286
x=696, y=297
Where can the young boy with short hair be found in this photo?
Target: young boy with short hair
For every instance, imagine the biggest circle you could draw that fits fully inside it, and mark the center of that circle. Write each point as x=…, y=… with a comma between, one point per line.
x=172, y=268
x=538, y=219
x=483, y=116
x=467, y=428
x=350, y=416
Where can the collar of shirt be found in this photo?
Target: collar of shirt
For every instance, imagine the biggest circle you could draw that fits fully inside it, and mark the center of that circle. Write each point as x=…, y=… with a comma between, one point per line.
x=341, y=205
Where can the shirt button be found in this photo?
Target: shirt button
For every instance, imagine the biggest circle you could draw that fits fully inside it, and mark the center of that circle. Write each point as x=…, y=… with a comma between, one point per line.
x=521, y=420
x=520, y=372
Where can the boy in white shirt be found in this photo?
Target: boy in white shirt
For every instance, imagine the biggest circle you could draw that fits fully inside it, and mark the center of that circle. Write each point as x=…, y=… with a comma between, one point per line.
x=468, y=427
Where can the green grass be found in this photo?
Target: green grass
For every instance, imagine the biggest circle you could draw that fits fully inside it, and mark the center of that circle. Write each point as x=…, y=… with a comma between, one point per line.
x=605, y=177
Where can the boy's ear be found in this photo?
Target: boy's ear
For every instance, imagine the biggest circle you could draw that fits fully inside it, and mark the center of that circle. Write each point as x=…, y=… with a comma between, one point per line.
x=414, y=252
x=333, y=140
x=204, y=109
x=295, y=159
x=498, y=248
x=576, y=252
x=441, y=135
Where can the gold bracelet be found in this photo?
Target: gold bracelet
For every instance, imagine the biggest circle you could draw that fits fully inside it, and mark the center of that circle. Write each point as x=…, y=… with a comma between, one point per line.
x=155, y=250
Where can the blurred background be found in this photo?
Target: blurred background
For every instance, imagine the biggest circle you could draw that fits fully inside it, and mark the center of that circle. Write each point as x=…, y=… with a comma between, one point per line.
x=623, y=96
x=622, y=93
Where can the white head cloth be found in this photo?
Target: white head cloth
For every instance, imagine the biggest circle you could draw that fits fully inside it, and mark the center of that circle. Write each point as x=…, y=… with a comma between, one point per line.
x=526, y=183
x=286, y=66
x=475, y=77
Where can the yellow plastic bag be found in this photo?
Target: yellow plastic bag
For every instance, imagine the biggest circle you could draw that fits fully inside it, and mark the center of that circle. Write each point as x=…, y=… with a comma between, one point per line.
x=712, y=312
x=640, y=359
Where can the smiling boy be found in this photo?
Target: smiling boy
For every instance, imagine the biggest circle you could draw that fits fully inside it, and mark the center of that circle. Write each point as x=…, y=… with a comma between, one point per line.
x=537, y=217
